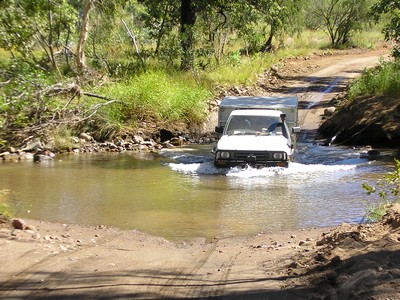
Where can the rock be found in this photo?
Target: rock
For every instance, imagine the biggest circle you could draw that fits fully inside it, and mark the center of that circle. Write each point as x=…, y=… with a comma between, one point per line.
x=137, y=139
x=165, y=135
x=4, y=154
x=29, y=227
x=177, y=141
x=11, y=150
x=370, y=154
x=329, y=111
x=168, y=145
x=374, y=152
x=18, y=224
x=149, y=143
x=86, y=137
x=43, y=155
x=26, y=156
x=11, y=157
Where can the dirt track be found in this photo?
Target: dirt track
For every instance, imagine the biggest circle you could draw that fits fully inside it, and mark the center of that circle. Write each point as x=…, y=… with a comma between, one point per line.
x=56, y=261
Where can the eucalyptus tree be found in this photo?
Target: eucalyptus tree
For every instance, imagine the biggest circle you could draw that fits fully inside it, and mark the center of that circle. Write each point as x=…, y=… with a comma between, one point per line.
x=338, y=18
x=25, y=25
x=277, y=17
x=106, y=8
x=392, y=29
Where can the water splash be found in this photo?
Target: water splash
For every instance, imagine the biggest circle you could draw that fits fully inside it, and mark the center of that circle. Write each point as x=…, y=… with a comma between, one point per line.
x=207, y=168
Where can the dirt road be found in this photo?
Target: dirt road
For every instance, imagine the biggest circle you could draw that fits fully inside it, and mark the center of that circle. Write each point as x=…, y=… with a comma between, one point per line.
x=61, y=261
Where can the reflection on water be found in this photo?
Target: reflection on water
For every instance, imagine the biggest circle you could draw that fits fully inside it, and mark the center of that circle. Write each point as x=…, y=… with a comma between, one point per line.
x=181, y=195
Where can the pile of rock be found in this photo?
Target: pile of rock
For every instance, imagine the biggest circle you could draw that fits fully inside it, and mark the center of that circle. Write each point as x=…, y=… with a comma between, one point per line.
x=33, y=151
x=36, y=151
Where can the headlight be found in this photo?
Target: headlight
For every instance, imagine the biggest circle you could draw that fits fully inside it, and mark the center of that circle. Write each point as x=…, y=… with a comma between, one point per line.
x=224, y=154
x=278, y=156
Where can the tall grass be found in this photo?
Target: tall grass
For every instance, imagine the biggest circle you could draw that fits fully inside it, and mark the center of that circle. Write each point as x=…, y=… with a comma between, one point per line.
x=168, y=97
x=383, y=80
x=241, y=71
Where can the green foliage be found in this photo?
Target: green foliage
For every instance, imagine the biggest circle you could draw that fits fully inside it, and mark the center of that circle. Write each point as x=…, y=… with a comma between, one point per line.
x=168, y=97
x=388, y=189
x=339, y=18
x=26, y=25
x=23, y=99
x=382, y=80
x=392, y=28
x=228, y=43
x=63, y=139
x=5, y=211
x=239, y=72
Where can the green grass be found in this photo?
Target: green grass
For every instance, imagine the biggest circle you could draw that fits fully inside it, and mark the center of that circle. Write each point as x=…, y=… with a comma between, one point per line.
x=388, y=190
x=166, y=96
x=383, y=80
x=63, y=139
x=243, y=72
x=5, y=211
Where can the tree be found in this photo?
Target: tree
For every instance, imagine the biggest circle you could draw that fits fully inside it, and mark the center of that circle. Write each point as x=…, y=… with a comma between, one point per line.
x=392, y=29
x=339, y=18
x=188, y=19
x=26, y=24
x=84, y=30
x=280, y=16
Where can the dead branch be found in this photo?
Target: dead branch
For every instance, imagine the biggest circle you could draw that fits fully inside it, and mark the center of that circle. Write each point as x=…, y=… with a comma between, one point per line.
x=96, y=107
x=133, y=41
x=5, y=82
x=97, y=96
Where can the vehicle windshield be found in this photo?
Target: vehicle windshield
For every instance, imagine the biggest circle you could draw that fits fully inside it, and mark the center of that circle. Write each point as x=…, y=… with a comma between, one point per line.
x=257, y=125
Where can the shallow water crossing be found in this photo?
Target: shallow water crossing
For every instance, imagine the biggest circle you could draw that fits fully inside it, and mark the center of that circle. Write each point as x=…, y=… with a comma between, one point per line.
x=179, y=194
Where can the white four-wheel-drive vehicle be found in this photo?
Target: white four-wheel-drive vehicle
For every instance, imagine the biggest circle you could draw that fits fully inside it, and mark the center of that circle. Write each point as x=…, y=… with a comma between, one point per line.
x=256, y=131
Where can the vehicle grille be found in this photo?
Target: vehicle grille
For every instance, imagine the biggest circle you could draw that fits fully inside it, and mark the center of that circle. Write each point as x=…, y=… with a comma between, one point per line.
x=254, y=156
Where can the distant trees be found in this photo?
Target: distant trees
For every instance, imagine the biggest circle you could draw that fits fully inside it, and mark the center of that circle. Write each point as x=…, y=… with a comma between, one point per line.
x=339, y=18
x=193, y=33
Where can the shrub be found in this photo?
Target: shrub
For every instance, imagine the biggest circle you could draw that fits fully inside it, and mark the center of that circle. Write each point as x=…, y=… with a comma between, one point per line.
x=383, y=79
x=388, y=189
x=168, y=97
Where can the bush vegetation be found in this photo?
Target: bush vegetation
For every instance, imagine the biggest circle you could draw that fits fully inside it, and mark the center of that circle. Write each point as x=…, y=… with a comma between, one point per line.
x=5, y=211
x=137, y=62
x=382, y=80
x=388, y=190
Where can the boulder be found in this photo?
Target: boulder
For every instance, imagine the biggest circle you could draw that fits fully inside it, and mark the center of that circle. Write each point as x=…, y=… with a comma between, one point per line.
x=18, y=224
x=329, y=111
x=86, y=137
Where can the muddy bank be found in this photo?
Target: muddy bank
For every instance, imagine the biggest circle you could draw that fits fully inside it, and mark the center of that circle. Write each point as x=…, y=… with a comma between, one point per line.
x=365, y=121
x=63, y=261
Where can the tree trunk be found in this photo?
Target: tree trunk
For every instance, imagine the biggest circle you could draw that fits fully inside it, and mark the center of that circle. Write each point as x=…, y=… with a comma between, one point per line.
x=84, y=30
x=267, y=47
x=188, y=19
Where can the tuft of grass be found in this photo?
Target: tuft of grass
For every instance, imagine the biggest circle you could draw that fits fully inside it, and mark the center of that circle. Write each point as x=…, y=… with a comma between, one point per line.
x=5, y=211
x=166, y=96
x=382, y=80
x=243, y=72
x=63, y=139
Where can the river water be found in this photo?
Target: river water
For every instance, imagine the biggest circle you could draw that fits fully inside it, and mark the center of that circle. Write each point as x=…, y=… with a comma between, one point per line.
x=180, y=195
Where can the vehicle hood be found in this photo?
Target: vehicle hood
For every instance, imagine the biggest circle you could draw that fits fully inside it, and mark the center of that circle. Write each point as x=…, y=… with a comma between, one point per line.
x=253, y=143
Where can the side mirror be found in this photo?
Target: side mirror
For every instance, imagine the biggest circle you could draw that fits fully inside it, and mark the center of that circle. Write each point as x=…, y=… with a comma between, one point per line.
x=296, y=129
x=219, y=129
